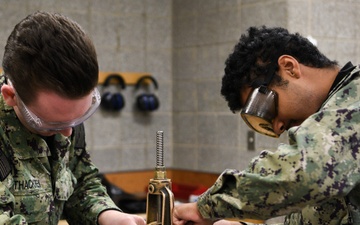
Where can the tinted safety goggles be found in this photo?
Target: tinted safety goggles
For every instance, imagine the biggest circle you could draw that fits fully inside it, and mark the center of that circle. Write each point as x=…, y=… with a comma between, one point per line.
x=260, y=110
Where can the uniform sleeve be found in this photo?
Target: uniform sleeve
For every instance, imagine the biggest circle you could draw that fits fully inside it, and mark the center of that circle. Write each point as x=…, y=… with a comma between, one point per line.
x=319, y=164
x=89, y=198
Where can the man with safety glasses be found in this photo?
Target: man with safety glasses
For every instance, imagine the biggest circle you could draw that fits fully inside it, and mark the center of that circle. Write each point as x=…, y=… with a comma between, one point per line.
x=48, y=89
x=279, y=82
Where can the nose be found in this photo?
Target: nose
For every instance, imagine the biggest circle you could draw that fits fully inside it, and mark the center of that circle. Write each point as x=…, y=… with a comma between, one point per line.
x=278, y=126
x=66, y=132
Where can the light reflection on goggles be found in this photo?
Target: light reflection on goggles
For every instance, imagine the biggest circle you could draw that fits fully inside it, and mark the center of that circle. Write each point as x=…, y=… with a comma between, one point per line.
x=40, y=125
x=260, y=110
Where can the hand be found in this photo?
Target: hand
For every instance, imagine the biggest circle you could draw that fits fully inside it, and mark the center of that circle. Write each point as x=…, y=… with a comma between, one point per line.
x=188, y=214
x=226, y=222
x=113, y=217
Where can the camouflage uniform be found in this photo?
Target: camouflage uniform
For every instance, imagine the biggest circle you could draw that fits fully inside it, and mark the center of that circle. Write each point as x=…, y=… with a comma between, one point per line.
x=49, y=178
x=315, y=179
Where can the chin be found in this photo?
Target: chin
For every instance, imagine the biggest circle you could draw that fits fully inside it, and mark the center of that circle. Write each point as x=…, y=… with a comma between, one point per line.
x=46, y=134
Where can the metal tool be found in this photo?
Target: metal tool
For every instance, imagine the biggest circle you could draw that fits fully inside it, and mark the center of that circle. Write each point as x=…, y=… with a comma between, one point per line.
x=160, y=199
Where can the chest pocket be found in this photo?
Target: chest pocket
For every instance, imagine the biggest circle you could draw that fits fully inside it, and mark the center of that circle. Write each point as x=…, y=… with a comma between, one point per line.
x=33, y=197
x=64, y=182
x=35, y=206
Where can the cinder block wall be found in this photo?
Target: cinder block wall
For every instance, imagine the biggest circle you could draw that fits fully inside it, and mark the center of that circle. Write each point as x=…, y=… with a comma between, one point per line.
x=184, y=44
x=207, y=136
x=130, y=36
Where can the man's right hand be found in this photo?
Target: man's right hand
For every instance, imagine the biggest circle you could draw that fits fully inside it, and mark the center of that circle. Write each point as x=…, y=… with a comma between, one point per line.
x=188, y=214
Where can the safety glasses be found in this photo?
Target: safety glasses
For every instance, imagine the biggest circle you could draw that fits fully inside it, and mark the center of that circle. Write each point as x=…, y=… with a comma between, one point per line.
x=43, y=126
x=260, y=110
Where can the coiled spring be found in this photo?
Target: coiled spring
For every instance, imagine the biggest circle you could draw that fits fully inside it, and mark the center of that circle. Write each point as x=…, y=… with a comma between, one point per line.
x=159, y=149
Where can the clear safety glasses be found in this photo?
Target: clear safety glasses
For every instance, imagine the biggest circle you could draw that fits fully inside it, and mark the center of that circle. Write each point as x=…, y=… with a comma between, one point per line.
x=40, y=125
x=260, y=110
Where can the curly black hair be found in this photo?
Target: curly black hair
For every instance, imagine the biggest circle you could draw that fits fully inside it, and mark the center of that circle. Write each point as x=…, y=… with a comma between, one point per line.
x=254, y=60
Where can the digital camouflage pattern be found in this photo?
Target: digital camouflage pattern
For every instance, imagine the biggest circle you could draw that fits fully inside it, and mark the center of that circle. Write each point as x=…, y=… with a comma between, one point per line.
x=50, y=179
x=312, y=180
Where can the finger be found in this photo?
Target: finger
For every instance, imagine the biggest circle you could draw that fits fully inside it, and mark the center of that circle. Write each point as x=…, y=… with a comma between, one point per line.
x=176, y=221
x=140, y=221
x=182, y=222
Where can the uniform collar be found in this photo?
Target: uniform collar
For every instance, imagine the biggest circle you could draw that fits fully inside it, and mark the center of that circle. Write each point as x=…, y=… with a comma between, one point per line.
x=343, y=73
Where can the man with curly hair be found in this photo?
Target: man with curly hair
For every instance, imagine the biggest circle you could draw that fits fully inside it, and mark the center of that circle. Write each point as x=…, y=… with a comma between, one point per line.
x=279, y=82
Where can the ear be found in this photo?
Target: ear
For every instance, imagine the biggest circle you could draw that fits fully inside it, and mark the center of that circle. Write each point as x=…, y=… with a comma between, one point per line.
x=288, y=65
x=8, y=93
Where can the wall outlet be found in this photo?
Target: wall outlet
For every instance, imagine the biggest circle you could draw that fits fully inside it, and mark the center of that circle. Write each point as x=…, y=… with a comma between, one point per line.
x=251, y=140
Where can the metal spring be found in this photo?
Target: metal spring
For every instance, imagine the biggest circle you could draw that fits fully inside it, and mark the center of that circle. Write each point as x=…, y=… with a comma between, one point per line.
x=159, y=149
